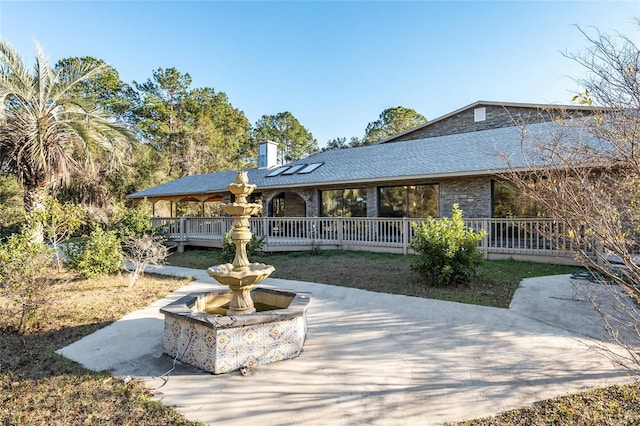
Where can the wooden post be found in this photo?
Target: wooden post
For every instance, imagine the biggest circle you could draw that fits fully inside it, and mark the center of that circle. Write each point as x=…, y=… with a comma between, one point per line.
x=485, y=240
x=405, y=235
x=265, y=231
x=183, y=232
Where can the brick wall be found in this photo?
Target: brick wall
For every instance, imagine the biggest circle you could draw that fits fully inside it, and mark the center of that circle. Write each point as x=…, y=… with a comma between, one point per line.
x=472, y=194
x=372, y=201
x=496, y=117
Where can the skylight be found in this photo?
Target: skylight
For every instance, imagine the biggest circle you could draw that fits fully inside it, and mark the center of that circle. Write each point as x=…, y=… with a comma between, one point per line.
x=310, y=167
x=293, y=169
x=277, y=171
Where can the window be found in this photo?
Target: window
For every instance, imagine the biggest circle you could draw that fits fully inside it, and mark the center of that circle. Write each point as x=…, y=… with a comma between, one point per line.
x=301, y=169
x=287, y=204
x=344, y=202
x=479, y=114
x=408, y=201
x=309, y=168
x=291, y=170
x=277, y=171
x=508, y=202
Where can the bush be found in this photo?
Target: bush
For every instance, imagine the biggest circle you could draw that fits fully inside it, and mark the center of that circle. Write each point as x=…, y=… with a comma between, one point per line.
x=25, y=277
x=447, y=250
x=12, y=214
x=97, y=254
x=136, y=222
x=228, y=253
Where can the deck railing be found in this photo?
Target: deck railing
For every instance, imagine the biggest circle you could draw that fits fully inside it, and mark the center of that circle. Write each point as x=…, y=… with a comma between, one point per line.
x=533, y=237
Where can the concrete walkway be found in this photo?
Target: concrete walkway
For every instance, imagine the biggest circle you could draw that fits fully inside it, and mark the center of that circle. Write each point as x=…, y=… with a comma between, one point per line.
x=380, y=359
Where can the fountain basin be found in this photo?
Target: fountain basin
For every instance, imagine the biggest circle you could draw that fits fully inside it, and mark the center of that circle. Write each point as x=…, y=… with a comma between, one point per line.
x=235, y=209
x=197, y=331
x=254, y=274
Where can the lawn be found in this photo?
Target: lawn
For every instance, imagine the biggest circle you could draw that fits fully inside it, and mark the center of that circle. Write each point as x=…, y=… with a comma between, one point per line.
x=39, y=387
x=388, y=273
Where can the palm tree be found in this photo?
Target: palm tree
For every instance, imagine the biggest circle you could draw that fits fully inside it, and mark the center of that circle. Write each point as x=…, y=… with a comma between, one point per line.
x=47, y=131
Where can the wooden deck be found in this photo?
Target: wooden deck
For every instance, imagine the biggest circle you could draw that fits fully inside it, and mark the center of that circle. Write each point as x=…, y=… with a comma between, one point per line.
x=526, y=239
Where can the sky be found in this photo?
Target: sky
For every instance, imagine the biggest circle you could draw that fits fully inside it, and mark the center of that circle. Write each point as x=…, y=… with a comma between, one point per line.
x=335, y=65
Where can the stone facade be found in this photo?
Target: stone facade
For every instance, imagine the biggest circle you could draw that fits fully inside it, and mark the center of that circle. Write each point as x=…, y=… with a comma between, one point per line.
x=496, y=116
x=473, y=196
x=372, y=201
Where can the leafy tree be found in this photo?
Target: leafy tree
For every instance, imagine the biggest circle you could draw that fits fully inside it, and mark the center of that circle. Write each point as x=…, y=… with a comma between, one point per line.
x=190, y=130
x=43, y=126
x=135, y=222
x=59, y=222
x=162, y=117
x=101, y=184
x=105, y=89
x=293, y=139
x=226, y=129
x=391, y=122
x=356, y=141
x=336, y=143
x=341, y=143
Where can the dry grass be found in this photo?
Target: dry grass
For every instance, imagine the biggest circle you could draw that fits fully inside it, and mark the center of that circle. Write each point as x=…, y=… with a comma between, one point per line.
x=612, y=406
x=38, y=386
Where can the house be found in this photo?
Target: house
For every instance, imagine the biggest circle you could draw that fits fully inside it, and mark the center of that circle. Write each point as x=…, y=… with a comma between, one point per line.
x=456, y=158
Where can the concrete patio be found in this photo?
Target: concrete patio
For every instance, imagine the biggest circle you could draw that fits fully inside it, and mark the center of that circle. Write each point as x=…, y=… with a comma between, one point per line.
x=373, y=358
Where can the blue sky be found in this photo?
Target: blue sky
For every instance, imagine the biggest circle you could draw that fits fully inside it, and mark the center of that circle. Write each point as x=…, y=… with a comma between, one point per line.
x=336, y=65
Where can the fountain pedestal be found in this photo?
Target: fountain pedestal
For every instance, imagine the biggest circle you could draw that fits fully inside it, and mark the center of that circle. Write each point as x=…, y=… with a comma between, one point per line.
x=221, y=331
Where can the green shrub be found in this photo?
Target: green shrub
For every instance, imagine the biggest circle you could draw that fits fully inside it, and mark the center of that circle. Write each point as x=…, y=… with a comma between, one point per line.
x=254, y=248
x=136, y=222
x=12, y=214
x=25, y=276
x=97, y=254
x=447, y=250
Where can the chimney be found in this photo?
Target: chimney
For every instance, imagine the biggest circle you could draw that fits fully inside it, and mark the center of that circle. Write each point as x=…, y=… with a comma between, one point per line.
x=267, y=154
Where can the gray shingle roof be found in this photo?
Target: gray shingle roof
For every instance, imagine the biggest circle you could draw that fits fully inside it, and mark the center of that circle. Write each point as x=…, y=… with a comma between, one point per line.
x=460, y=154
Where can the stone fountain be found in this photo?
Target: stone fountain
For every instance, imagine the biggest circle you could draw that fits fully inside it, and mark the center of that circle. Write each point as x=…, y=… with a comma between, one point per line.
x=221, y=330
x=241, y=276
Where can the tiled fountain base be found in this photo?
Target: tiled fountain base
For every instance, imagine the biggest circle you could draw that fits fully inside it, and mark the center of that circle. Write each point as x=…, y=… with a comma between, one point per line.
x=221, y=344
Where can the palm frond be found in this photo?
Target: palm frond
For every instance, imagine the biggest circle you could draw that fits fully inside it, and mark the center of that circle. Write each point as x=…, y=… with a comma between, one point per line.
x=46, y=133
